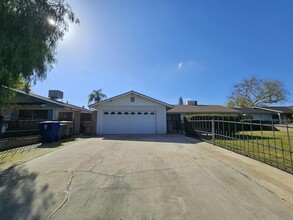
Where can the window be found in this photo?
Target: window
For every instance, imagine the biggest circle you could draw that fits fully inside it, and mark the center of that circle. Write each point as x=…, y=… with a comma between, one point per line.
x=25, y=114
x=106, y=113
x=113, y=113
x=33, y=114
x=139, y=113
x=132, y=113
x=145, y=113
x=126, y=113
x=132, y=99
x=152, y=113
x=65, y=116
x=119, y=113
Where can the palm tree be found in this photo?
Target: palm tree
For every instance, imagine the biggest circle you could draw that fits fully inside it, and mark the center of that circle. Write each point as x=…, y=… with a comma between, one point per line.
x=96, y=96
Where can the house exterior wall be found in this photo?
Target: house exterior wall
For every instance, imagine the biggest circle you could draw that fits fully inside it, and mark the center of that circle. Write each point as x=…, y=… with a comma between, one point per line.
x=140, y=104
x=76, y=122
x=139, y=101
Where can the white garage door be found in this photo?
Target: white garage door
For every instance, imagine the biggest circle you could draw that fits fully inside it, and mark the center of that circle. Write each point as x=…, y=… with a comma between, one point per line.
x=129, y=122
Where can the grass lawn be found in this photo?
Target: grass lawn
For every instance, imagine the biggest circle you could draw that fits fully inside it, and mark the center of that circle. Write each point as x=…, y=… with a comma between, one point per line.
x=16, y=156
x=266, y=146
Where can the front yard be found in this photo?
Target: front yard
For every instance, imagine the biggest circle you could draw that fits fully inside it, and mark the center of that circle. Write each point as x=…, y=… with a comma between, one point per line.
x=16, y=156
x=274, y=148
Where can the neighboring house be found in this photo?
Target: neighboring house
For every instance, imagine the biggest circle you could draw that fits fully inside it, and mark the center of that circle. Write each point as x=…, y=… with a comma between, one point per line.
x=255, y=114
x=277, y=114
x=29, y=108
x=131, y=113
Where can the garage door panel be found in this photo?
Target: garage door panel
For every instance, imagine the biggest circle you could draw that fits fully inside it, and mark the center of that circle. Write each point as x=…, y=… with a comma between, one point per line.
x=129, y=124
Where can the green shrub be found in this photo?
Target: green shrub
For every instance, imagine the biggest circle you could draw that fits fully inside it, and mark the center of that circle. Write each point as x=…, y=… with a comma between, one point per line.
x=189, y=131
x=213, y=116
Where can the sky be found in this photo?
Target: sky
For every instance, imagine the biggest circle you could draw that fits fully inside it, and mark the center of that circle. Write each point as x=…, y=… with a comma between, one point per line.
x=170, y=48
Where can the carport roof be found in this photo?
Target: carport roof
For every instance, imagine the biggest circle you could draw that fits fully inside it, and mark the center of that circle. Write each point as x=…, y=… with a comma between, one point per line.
x=134, y=93
x=253, y=111
x=277, y=109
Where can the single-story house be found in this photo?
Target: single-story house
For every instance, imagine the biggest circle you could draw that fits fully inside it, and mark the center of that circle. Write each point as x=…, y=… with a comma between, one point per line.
x=135, y=113
x=29, y=109
x=131, y=113
x=255, y=114
x=277, y=114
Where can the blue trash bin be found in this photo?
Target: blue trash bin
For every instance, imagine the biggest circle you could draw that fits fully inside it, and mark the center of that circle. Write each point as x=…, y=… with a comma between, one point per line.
x=49, y=130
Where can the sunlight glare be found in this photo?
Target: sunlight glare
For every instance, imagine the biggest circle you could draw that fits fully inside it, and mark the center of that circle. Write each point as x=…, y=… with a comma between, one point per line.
x=51, y=21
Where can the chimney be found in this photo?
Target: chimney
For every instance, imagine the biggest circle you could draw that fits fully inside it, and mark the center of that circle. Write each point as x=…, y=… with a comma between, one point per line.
x=190, y=102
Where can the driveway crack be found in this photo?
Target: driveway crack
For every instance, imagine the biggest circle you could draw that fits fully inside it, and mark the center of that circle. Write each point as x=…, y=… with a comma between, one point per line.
x=66, y=197
x=133, y=189
x=138, y=172
x=101, y=160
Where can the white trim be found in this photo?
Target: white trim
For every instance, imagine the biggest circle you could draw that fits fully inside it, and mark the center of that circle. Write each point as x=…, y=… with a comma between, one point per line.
x=131, y=92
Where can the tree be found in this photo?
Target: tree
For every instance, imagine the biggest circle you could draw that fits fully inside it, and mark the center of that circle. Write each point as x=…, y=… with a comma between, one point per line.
x=6, y=93
x=29, y=34
x=180, y=101
x=96, y=96
x=256, y=92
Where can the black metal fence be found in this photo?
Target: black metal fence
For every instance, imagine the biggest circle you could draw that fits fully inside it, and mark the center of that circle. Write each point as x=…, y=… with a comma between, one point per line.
x=263, y=141
x=175, y=126
x=19, y=128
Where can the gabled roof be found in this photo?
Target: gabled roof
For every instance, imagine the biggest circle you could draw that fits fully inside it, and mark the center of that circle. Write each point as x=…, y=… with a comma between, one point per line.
x=202, y=109
x=48, y=101
x=131, y=93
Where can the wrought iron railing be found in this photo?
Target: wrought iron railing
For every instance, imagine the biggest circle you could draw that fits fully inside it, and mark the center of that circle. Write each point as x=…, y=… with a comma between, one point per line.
x=263, y=141
x=19, y=128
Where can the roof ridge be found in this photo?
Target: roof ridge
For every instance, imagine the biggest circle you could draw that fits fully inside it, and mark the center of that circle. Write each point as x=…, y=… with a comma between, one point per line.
x=129, y=92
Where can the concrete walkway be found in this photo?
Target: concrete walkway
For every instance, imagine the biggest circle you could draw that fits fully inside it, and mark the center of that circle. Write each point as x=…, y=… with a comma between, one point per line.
x=145, y=177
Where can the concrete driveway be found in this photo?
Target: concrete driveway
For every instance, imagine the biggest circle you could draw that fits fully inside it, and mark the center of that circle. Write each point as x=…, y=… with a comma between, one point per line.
x=145, y=177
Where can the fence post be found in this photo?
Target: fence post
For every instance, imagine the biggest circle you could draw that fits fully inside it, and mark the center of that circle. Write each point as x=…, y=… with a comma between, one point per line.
x=213, y=131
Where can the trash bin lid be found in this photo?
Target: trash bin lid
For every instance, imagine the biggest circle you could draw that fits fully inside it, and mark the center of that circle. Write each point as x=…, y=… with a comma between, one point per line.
x=66, y=122
x=49, y=122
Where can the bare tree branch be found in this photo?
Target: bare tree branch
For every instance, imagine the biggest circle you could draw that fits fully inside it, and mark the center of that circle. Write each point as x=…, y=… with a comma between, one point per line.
x=256, y=92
